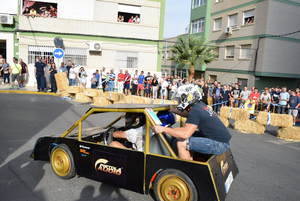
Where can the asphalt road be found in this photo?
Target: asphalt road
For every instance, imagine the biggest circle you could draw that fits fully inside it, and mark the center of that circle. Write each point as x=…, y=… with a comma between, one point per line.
x=269, y=167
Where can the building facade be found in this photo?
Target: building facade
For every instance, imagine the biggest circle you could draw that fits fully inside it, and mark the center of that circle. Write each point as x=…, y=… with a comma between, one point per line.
x=116, y=34
x=257, y=41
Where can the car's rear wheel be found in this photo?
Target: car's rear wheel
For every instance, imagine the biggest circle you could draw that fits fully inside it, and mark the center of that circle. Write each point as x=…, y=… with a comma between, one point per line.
x=62, y=162
x=174, y=185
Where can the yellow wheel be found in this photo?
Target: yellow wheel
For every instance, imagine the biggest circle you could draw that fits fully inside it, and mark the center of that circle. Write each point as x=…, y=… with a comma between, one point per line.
x=62, y=162
x=174, y=185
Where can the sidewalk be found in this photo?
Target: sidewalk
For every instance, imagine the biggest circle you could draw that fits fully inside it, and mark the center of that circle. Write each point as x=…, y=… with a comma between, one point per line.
x=8, y=87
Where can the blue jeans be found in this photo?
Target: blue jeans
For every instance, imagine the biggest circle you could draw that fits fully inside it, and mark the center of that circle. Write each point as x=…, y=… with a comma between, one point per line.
x=111, y=86
x=206, y=146
x=72, y=82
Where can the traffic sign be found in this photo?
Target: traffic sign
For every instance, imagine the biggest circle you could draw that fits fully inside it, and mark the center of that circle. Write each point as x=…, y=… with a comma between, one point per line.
x=58, y=53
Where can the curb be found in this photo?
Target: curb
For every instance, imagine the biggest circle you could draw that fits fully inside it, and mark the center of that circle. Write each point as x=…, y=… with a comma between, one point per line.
x=27, y=92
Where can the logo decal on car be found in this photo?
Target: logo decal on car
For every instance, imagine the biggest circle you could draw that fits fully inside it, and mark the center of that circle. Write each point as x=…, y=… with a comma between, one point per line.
x=102, y=165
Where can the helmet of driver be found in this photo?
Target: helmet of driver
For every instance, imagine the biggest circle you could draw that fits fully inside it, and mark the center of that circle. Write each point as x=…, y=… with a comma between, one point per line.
x=188, y=95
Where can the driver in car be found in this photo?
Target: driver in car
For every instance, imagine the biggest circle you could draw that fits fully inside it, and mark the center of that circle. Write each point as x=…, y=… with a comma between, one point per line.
x=203, y=131
x=135, y=129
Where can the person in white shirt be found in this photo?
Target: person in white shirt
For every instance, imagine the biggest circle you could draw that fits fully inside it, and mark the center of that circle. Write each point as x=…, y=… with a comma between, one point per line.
x=284, y=97
x=72, y=76
x=164, y=89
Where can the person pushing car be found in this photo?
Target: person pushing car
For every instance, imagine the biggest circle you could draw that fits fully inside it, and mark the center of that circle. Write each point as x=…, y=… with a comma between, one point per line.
x=203, y=131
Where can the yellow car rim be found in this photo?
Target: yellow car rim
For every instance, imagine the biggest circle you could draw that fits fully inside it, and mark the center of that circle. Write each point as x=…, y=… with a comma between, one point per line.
x=60, y=162
x=173, y=188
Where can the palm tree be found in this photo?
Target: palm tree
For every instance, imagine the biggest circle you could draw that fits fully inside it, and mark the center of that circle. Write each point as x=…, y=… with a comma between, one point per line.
x=192, y=51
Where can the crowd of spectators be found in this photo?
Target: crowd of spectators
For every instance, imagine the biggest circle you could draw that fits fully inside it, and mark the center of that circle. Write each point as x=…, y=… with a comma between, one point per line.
x=44, y=11
x=133, y=19
x=14, y=74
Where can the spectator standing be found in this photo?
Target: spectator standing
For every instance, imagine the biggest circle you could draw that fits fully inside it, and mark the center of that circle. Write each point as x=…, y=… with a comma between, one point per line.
x=140, y=88
x=218, y=94
x=103, y=78
x=127, y=80
x=265, y=99
x=135, y=83
x=52, y=72
x=98, y=77
x=63, y=68
x=94, y=81
x=294, y=105
x=148, y=86
x=69, y=66
x=120, y=81
x=283, y=100
x=6, y=72
x=245, y=95
x=1, y=68
x=210, y=95
x=275, y=99
x=82, y=77
x=205, y=93
x=15, y=73
x=236, y=95
x=154, y=84
x=40, y=74
x=111, y=80
x=72, y=76
x=164, y=89
x=255, y=95
x=226, y=96
x=24, y=72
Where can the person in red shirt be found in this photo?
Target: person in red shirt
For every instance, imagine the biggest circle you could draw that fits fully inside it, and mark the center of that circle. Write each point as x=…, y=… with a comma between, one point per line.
x=254, y=96
x=127, y=80
x=120, y=81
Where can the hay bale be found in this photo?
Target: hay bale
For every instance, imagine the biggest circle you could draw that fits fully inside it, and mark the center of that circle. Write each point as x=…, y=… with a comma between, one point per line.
x=63, y=94
x=278, y=120
x=249, y=126
x=74, y=90
x=281, y=120
x=113, y=96
x=291, y=133
x=101, y=101
x=62, y=81
x=81, y=98
x=92, y=92
x=262, y=118
x=239, y=114
x=225, y=112
x=225, y=121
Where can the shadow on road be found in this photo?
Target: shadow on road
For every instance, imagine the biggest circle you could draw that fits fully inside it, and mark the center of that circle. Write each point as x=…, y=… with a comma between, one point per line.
x=106, y=192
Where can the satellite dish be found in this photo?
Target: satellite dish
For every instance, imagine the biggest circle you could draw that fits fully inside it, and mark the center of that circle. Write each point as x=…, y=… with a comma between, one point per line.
x=59, y=43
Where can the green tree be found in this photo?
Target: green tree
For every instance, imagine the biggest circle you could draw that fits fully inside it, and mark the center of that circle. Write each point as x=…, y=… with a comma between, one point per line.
x=191, y=51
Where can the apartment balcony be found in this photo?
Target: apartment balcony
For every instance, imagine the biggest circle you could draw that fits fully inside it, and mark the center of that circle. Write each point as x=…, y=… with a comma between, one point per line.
x=97, y=28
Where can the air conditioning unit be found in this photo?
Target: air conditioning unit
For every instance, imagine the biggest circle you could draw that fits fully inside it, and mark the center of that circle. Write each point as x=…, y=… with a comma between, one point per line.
x=6, y=19
x=228, y=30
x=95, y=47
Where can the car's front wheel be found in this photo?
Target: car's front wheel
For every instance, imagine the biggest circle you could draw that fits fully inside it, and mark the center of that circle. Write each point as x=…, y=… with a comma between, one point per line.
x=62, y=162
x=174, y=185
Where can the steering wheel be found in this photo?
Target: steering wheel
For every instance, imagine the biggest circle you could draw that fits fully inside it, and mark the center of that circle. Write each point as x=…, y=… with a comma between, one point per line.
x=108, y=136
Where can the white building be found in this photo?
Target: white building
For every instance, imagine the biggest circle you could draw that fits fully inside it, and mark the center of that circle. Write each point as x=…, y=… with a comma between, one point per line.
x=91, y=32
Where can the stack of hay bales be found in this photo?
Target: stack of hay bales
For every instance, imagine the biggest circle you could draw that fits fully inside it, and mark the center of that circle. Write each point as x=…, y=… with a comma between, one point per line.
x=234, y=113
x=113, y=96
x=135, y=100
x=62, y=81
x=101, y=101
x=284, y=122
x=290, y=133
x=74, y=90
x=92, y=92
x=242, y=122
x=249, y=126
x=81, y=98
x=278, y=120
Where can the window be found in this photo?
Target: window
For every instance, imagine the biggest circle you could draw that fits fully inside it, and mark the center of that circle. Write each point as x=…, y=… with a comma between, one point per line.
x=242, y=82
x=197, y=3
x=248, y=17
x=77, y=55
x=39, y=9
x=232, y=20
x=212, y=78
x=245, y=52
x=219, y=1
x=198, y=25
x=127, y=59
x=129, y=14
x=217, y=50
x=218, y=24
x=229, y=53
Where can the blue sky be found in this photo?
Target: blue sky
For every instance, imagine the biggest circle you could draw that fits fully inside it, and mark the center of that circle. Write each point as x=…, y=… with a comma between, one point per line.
x=177, y=17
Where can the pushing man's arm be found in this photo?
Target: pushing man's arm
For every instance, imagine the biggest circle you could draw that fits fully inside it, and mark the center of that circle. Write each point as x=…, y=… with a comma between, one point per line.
x=183, y=133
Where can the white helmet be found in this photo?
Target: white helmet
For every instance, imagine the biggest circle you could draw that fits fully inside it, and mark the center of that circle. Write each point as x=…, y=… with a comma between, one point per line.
x=188, y=95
